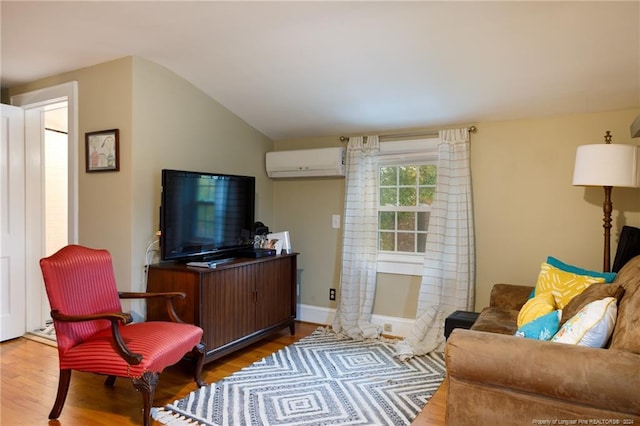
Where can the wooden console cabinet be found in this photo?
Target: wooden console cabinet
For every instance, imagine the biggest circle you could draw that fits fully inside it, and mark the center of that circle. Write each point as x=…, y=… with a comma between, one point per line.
x=235, y=303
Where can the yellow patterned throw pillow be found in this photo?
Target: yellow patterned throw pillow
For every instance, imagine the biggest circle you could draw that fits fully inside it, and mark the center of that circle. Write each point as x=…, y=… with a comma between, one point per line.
x=536, y=307
x=561, y=284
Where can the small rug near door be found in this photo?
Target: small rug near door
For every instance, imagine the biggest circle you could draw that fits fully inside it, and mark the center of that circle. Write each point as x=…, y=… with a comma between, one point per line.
x=322, y=379
x=46, y=335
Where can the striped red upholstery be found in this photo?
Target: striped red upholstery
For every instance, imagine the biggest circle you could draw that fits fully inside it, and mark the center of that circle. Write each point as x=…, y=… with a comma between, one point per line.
x=160, y=343
x=80, y=281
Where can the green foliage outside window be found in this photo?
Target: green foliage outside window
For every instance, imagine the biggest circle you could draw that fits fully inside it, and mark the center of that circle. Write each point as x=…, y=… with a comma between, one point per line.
x=406, y=195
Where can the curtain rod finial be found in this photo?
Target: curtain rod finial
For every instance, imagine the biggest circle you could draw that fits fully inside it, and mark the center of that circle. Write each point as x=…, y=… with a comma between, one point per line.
x=473, y=129
x=344, y=139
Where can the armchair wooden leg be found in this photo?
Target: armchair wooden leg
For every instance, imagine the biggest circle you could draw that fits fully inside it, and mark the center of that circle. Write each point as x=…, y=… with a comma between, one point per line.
x=198, y=355
x=63, y=388
x=146, y=385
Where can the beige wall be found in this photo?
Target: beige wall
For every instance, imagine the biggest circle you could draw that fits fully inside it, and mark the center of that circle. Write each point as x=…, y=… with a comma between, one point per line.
x=525, y=205
x=176, y=126
x=525, y=208
x=104, y=211
x=164, y=122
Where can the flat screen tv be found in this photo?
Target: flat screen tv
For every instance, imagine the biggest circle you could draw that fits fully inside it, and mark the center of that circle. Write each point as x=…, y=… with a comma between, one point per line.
x=205, y=215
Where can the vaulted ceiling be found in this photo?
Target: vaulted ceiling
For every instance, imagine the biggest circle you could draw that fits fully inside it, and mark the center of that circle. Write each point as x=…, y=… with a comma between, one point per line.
x=304, y=69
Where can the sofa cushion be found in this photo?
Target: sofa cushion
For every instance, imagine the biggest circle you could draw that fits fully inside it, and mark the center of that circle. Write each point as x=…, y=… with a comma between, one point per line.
x=509, y=296
x=626, y=335
x=563, y=285
x=497, y=320
x=591, y=326
x=592, y=293
x=536, y=307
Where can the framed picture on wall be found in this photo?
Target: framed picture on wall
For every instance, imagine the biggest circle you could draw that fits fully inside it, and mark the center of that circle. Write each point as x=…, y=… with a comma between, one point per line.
x=102, y=151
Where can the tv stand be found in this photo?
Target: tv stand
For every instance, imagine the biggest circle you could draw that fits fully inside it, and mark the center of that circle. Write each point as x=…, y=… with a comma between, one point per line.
x=236, y=303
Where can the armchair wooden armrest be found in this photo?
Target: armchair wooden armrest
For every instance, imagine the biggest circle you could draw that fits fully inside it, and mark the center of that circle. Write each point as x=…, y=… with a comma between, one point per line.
x=115, y=318
x=123, y=317
x=136, y=295
x=168, y=296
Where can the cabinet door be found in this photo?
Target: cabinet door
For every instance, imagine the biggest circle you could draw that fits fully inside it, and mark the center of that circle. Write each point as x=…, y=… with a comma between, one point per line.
x=229, y=310
x=162, y=280
x=275, y=291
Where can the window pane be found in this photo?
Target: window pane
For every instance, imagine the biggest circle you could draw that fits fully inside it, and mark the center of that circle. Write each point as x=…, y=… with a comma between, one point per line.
x=406, y=242
x=387, y=220
x=423, y=221
x=408, y=196
x=388, y=196
x=388, y=176
x=408, y=175
x=422, y=243
x=426, y=195
x=406, y=221
x=387, y=241
x=428, y=175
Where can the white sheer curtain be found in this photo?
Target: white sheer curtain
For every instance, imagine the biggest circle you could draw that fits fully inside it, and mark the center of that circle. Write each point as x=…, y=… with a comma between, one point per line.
x=449, y=262
x=359, y=249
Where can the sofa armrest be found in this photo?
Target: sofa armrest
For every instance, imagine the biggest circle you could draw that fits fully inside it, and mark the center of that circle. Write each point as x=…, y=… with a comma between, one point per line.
x=604, y=379
x=509, y=296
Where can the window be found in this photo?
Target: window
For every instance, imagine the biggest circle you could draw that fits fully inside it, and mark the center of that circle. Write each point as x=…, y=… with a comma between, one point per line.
x=406, y=189
x=406, y=194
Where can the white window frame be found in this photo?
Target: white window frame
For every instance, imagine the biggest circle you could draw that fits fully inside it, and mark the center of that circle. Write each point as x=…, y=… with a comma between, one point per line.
x=399, y=153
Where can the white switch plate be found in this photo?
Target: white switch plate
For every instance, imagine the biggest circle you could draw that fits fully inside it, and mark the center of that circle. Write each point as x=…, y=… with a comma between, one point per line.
x=335, y=221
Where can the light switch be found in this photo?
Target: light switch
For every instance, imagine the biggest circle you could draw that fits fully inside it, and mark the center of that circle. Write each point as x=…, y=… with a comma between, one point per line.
x=335, y=221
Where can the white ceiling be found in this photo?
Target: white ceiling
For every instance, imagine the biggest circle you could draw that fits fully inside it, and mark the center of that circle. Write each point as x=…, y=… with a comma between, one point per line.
x=304, y=69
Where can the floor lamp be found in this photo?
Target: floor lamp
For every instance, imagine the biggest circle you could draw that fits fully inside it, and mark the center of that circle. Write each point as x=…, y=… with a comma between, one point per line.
x=607, y=165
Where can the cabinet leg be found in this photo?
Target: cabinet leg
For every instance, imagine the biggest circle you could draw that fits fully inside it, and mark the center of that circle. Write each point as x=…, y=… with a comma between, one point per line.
x=292, y=328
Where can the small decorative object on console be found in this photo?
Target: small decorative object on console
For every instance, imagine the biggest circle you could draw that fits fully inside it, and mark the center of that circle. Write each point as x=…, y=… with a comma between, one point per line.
x=280, y=241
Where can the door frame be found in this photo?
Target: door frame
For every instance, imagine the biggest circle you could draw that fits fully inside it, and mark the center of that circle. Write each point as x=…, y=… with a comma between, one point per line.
x=34, y=103
x=12, y=217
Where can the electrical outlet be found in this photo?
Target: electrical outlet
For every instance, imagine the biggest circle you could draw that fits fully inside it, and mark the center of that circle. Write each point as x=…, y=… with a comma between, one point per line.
x=335, y=221
x=332, y=294
x=388, y=328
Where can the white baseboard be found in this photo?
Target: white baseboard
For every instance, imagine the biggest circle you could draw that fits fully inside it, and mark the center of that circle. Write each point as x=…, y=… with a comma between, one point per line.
x=400, y=327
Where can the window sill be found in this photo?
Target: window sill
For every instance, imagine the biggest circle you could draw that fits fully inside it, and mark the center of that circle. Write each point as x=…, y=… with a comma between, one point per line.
x=400, y=268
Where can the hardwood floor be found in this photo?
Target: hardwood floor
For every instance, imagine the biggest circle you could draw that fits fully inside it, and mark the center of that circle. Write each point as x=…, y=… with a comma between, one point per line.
x=29, y=381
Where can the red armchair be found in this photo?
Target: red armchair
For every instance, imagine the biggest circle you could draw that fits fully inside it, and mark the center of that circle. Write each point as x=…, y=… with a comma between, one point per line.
x=94, y=335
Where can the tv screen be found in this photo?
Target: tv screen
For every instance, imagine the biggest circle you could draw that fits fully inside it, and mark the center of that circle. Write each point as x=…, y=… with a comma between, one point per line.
x=203, y=215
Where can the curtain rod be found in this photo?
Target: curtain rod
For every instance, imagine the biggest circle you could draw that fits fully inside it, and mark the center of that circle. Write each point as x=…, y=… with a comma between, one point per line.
x=472, y=129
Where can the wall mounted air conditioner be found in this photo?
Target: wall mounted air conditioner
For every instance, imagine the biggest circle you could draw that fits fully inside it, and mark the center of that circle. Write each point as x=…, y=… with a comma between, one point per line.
x=306, y=163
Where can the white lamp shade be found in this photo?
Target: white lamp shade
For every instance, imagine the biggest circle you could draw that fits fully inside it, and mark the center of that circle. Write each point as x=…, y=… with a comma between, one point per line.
x=607, y=165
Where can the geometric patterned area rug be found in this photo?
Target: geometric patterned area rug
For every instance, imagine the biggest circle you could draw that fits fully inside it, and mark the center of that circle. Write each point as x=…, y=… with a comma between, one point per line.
x=323, y=379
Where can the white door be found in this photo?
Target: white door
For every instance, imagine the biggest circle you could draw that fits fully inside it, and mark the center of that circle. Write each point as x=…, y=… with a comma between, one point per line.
x=12, y=224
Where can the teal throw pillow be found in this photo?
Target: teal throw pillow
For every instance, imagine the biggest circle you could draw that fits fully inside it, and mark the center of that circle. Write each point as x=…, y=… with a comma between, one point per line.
x=608, y=276
x=541, y=328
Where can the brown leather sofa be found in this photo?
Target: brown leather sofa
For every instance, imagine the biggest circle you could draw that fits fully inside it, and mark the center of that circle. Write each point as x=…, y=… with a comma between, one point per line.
x=497, y=378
